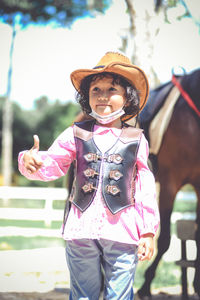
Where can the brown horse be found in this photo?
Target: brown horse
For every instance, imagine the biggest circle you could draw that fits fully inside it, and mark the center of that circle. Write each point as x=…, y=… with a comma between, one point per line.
x=177, y=164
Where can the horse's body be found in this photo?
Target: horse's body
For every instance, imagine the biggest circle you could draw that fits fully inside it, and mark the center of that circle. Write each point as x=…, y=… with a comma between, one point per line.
x=177, y=164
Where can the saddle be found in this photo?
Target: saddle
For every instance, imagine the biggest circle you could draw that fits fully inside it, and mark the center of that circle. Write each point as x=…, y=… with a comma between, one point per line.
x=155, y=102
x=155, y=118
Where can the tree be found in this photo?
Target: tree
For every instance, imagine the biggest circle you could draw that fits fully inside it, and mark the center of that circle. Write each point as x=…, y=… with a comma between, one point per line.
x=20, y=13
x=145, y=18
x=22, y=130
x=49, y=120
x=62, y=12
x=55, y=120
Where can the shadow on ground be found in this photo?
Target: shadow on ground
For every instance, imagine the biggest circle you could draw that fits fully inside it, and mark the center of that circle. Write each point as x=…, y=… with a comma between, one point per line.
x=64, y=295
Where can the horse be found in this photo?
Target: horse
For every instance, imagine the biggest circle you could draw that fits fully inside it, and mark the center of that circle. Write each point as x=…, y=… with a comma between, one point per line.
x=177, y=163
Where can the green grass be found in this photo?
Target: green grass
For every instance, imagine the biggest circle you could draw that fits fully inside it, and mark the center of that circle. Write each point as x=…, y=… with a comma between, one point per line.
x=184, y=206
x=21, y=242
x=23, y=181
x=22, y=203
x=167, y=274
x=29, y=224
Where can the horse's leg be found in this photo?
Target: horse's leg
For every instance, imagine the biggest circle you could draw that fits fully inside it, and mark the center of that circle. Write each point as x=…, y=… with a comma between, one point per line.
x=196, y=282
x=167, y=196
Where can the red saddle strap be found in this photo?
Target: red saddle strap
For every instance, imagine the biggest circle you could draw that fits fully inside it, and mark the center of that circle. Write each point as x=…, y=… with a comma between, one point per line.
x=185, y=95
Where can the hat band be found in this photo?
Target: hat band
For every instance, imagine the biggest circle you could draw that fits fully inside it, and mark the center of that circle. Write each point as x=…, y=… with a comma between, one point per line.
x=98, y=67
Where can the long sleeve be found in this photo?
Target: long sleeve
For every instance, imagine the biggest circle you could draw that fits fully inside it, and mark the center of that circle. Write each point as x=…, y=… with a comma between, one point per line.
x=146, y=203
x=56, y=160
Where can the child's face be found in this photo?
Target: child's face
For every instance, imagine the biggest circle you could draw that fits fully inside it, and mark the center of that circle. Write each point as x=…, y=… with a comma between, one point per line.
x=106, y=97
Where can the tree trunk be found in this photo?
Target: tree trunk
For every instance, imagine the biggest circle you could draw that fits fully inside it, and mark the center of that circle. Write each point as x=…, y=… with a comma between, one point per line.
x=7, y=138
x=143, y=29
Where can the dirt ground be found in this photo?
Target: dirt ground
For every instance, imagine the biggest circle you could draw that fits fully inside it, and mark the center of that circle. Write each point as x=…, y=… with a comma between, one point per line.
x=64, y=295
x=32, y=275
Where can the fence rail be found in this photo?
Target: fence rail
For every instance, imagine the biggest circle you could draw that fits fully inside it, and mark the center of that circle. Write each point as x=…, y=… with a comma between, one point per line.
x=35, y=193
x=48, y=213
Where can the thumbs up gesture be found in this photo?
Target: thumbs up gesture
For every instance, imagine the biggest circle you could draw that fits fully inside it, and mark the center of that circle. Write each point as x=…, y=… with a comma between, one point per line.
x=32, y=161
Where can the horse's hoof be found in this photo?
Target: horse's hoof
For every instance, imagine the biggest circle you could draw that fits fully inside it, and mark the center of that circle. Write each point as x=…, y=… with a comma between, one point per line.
x=197, y=295
x=144, y=292
x=138, y=297
x=143, y=295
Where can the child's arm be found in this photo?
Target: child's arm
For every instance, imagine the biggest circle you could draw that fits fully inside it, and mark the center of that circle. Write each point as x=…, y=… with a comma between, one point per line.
x=32, y=161
x=146, y=204
x=146, y=247
x=51, y=164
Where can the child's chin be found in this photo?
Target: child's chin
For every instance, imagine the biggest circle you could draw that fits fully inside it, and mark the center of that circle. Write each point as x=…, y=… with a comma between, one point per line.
x=103, y=112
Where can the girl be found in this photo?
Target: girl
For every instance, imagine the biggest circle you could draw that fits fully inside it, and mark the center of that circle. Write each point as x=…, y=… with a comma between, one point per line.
x=114, y=215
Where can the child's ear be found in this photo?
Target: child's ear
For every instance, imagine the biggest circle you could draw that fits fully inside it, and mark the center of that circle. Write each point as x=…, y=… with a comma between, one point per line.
x=127, y=103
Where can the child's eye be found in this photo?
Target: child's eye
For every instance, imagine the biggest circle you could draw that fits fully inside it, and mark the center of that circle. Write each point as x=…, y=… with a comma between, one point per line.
x=112, y=89
x=95, y=89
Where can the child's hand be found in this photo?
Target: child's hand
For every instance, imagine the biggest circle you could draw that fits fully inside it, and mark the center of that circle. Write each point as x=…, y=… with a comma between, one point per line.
x=32, y=161
x=146, y=247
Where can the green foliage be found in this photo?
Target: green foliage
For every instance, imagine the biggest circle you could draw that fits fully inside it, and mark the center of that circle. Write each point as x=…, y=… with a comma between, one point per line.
x=61, y=12
x=22, y=129
x=167, y=4
x=47, y=120
x=53, y=120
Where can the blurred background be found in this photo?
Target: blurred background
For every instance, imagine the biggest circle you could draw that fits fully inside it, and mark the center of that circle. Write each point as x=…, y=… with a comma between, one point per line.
x=42, y=42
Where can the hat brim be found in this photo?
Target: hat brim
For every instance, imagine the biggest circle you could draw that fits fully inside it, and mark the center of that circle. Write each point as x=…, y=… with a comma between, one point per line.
x=131, y=73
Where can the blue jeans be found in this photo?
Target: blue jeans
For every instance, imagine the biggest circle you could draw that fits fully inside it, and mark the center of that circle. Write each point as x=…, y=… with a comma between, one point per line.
x=86, y=257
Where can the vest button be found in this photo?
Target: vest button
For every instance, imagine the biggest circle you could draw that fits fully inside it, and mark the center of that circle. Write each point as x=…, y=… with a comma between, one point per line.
x=88, y=187
x=92, y=157
x=115, y=158
x=90, y=172
x=112, y=189
x=118, y=159
x=115, y=174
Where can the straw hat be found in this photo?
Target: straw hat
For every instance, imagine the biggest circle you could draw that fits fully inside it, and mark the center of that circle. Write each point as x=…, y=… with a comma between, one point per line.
x=117, y=63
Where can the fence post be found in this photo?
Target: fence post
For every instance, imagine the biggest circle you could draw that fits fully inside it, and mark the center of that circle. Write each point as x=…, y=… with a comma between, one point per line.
x=48, y=210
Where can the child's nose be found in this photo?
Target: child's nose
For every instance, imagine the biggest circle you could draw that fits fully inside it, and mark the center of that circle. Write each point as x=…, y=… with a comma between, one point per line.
x=103, y=96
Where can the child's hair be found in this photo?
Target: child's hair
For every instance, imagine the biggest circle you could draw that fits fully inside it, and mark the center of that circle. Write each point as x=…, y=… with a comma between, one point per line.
x=132, y=95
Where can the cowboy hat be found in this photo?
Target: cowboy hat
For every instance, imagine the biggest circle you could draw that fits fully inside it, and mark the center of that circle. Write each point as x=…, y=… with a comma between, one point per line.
x=114, y=62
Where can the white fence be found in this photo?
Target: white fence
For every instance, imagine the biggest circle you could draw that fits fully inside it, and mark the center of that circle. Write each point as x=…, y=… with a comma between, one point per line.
x=47, y=214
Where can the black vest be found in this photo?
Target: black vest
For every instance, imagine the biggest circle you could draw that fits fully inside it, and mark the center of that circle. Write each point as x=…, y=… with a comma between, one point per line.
x=118, y=165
